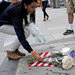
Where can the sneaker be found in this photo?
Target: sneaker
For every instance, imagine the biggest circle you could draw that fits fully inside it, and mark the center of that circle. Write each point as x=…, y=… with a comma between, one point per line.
x=12, y=56
x=19, y=53
x=68, y=32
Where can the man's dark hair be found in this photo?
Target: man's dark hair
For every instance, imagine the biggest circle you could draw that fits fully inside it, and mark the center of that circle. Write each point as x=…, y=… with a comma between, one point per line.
x=28, y=1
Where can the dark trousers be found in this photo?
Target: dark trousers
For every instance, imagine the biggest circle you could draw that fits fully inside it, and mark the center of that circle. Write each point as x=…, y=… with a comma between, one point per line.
x=44, y=3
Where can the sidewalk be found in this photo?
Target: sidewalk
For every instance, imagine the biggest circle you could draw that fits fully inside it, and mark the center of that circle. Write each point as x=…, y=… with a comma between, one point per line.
x=54, y=27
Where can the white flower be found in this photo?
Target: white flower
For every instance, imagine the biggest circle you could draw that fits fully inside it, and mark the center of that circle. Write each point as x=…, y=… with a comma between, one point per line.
x=66, y=51
x=67, y=62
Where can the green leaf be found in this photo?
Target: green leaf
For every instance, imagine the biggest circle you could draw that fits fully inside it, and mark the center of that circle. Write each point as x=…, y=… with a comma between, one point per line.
x=31, y=61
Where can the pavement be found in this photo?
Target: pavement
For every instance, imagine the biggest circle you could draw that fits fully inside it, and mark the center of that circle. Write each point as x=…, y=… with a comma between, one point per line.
x=53, y=28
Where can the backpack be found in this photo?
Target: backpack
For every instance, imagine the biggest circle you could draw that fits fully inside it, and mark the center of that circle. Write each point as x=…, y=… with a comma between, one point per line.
x=4, y=5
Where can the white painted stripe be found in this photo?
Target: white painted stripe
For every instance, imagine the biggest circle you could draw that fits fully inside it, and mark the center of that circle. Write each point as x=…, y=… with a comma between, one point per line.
x=39, y=64
x=43, y=54
x=34, y=63
x=48, y=54
x=45, y=64
x=52, y=65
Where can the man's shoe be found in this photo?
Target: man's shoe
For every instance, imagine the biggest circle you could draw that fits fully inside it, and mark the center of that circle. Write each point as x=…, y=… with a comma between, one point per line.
x=68, y=32
x=12, y=56
x=19, y=53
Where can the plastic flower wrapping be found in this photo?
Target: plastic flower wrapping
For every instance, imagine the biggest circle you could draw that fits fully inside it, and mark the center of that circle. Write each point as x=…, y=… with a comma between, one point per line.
x=37, y=34
x=63, y=58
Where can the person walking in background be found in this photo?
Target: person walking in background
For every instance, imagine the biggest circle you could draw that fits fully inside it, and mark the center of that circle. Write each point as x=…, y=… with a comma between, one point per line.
x=12, y=17
x=70, y=11
x=43, y=5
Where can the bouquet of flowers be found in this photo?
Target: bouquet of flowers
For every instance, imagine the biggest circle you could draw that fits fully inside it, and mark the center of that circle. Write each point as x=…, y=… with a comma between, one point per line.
x=63, y=58
x=65, y=62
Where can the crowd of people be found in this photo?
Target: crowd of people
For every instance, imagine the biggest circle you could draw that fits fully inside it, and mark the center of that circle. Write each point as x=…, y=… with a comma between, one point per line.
x=15, y=14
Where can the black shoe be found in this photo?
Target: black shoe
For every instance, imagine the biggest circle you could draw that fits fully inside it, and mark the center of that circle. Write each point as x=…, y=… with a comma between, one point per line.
x=68, y=32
